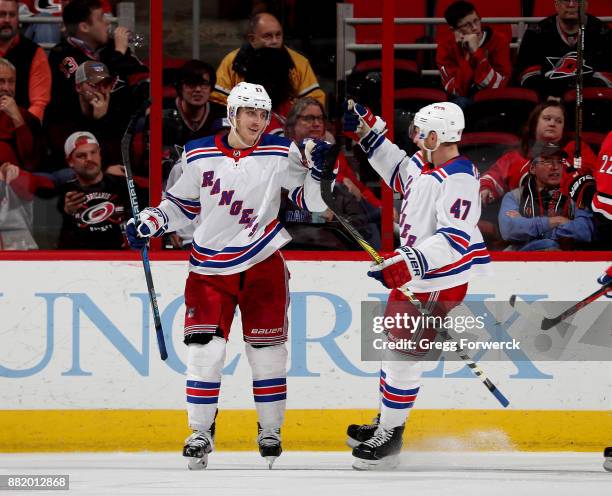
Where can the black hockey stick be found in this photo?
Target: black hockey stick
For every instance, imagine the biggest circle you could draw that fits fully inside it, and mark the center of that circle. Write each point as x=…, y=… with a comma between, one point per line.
x=579, y=81
x=327, y=180
x=126, y=144
x=550, y=322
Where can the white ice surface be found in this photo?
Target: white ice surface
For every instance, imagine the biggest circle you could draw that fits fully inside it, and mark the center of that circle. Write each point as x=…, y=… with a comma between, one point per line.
x=320, y=474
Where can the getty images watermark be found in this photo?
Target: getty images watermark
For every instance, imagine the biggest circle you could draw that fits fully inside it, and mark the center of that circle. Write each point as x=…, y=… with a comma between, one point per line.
x=492, y=330
x=402, y=323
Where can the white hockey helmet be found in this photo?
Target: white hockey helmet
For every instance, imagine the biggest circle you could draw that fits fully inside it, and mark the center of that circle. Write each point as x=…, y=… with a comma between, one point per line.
x=248, y=95
x=445, y=118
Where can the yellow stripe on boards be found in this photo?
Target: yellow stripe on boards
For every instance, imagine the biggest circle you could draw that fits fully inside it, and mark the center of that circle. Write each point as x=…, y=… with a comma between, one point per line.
x=323, y=430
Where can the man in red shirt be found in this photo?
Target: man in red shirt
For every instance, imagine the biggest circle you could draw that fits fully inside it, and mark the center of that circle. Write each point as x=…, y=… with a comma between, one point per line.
x=473, y=58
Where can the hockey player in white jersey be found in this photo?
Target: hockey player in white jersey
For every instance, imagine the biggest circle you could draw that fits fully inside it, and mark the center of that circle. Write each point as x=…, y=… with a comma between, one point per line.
x=233, y=182
x=441, y=250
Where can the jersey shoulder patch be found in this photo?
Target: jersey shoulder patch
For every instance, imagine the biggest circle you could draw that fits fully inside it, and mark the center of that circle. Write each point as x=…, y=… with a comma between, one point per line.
x=459, y=165
x=206, y=142
x=274, y=140
x=202, y=148
x=273, y=145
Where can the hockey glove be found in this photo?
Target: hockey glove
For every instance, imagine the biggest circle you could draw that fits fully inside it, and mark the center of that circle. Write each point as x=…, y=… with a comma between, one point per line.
x=361, y=125
x=149, y=222
x=407, y=264
x=316, y=152
x=606, y=280
x=581, y=188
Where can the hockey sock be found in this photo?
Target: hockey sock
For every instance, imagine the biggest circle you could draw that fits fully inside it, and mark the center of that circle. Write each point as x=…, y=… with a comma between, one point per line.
x=399, y=386
x=204, y=365
x=269, y=367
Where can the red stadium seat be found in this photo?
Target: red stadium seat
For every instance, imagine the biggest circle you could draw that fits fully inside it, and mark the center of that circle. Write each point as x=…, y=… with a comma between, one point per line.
x=594, y=140
x=412, y=99
x=404, y=33
x=596, y=109
x=500, y=110
x=485, y=148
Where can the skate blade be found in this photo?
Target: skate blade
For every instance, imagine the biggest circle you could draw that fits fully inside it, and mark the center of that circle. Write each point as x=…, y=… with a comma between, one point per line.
x=387, y=463
x=352, y=443
x=197, y=463
x=270, y=460
x=608, y=464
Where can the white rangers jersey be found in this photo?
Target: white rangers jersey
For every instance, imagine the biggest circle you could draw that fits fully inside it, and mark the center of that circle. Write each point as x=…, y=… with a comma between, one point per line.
x=237, y=193
x=439, y=216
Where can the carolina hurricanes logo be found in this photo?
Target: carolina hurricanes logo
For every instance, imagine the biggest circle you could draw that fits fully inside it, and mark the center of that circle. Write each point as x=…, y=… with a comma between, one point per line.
x=563, y=67
x=98, y=213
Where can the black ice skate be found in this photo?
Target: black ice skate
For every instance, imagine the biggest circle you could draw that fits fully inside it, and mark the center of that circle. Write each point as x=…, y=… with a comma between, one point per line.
x=381, y=451
x=269, y=442
x=358, y=434
x=608, y=459
x=198, y=446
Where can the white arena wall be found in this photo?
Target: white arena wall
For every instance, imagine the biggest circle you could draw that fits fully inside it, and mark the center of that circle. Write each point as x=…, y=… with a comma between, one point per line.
x=79, y=367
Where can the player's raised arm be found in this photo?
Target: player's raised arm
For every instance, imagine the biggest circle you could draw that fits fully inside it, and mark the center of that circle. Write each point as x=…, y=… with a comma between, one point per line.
x=392, y=164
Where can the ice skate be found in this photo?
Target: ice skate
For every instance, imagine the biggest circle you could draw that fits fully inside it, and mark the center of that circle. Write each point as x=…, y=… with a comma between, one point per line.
x=359, y=433
x=197, y=447
x=269, y=442
x=381, y=451
x=608, y=459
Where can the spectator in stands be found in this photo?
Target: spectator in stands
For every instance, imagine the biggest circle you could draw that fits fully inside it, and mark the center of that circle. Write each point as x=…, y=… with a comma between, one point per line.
x=100, y=112
x=94, y=204
x=547, y=56
x=88, y=39
x=546, y=124
x=307, y=119
x=537, y=215
x=33, y=91
x=266, y=32
x=20, y=133
x=191, y=115
x=16, y=214
x=474, y=58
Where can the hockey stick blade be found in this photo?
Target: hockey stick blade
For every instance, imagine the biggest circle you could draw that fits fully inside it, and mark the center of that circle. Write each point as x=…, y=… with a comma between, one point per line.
x=328, y=197
x=548, y=323
x=126, y=144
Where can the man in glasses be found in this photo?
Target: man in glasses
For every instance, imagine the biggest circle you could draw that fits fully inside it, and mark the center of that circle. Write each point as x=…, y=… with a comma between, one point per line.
x=537, y=215
x=547, y=56
x=474, y=57
x=191, y=114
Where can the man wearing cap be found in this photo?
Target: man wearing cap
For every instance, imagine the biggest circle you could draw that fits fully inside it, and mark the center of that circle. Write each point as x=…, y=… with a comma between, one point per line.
x=88, y=39
x=99, y=112
x=537, y=215
x=94, y=205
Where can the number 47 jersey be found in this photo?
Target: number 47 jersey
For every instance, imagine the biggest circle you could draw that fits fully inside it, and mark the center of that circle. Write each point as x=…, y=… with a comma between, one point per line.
x=237, y=195
x=439, y=215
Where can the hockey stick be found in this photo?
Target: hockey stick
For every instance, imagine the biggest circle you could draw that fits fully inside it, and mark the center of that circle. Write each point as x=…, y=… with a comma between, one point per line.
x=549, y=322
x=579, y=62
x=126, y=144
x=327, y=194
